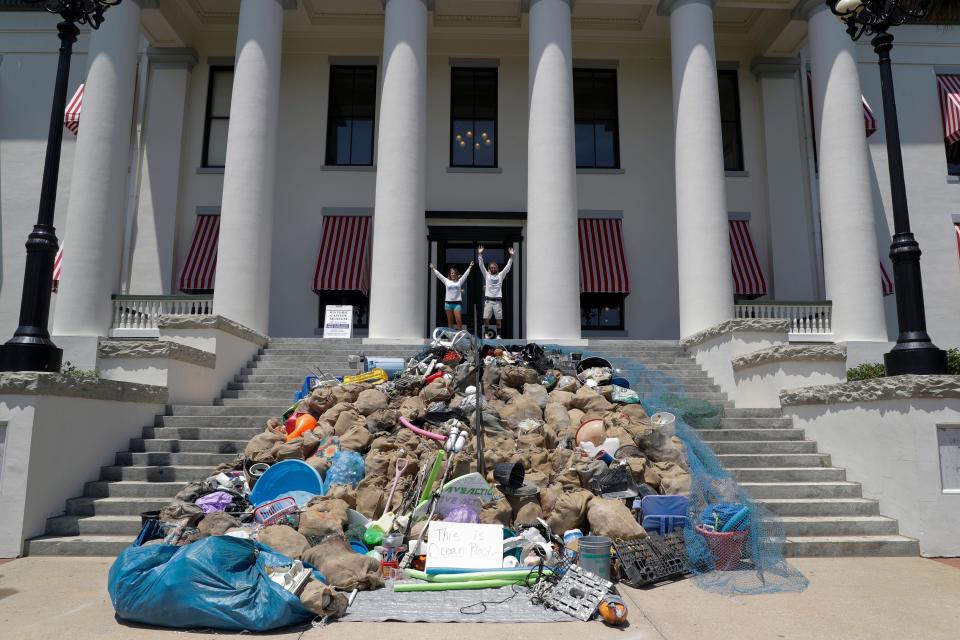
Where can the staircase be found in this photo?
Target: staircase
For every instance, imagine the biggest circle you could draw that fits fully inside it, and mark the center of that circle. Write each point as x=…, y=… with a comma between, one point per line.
x=822, y=513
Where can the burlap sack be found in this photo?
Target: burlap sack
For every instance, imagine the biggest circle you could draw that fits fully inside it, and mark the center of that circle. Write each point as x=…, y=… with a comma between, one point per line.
x=346, y=392
x=518, y=410
x=534, y=440
x=563, y=398
x=589, y=401
x=548, y=498
x=567, y=478
x=292, y=450
x=525, y=510
x=413, y=408
x=550, y=437
x=369, y=401
x=323, y=600
x=371, y=495
x=347, y=420
x=284, y=539
x=309, y=443
x=260, y=447
x=343, y=567
x=674, y=479
x=633, y=411
x=569, y=510
x=383, y=421
x=576, y=417
x=537, y=393
x=323, y=516
x=319, y=400
x=515, y=376
x=491, y=376
x=557, y=417
x=613, y=519
x=497, y=512
x=343, y=492
x=504, y=393
x=358, y=439
x=436, y=391
x=275, y=426
x=537, y=478
x=320, y=465
x=331, y=414
x=588, y=469
x=567, y=383
x=217, y=524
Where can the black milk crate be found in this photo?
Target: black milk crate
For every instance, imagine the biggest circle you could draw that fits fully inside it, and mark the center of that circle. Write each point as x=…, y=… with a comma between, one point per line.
x=651, y=559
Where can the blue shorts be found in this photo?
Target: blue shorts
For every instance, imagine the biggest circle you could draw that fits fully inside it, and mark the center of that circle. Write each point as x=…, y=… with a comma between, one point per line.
x=453, y=306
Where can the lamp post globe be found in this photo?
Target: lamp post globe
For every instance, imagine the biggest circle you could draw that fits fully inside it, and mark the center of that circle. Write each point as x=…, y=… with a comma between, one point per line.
x=30, y=348
x=914, y=352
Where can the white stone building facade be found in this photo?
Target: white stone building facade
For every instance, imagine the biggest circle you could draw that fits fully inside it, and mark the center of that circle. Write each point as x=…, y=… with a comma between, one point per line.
x=411, y=131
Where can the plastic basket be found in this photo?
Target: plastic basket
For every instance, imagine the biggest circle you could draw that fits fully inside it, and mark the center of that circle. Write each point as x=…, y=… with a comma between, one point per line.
x=275, y=510
x=652, y=559
x=726, y=547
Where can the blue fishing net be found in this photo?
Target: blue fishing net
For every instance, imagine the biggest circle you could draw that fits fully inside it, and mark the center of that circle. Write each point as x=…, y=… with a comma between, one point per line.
x=744, y=555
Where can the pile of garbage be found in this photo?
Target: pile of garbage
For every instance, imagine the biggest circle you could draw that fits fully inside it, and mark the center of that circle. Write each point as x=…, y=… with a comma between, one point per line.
x=337, y=495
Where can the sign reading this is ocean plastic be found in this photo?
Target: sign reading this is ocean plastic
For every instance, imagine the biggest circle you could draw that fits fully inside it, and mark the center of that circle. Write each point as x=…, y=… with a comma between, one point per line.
x=338, y=321
x=460, y=545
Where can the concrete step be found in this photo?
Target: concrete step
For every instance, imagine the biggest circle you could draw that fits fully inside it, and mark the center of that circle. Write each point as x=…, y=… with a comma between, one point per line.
x=763, y=460
x=89, y=545
x=178, y=445
x=272, y=397
x=161, y=458
x=202, y=433
x=266, y=411
x=128, y=525
x=132, y=489
x=346, y=349
x=764, y=446
x=114, y=506
x=248, y=402
x=754, y=434
x=820, y=506
x=846, y=546
x=752, y=413
x=291, y=389
x=158, y=473
x=838, y=526
x=788, y=474
x=800, y=490
x=727, y=422
x=214, y=421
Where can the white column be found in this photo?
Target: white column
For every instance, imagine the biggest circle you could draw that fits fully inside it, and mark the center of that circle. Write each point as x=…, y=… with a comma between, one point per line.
x=795, y=269
x=553, y=293
x=399, y=266
x=242, y=285
x=151, y=261
x=98, y=187
x=850, y=255
x=703, y=237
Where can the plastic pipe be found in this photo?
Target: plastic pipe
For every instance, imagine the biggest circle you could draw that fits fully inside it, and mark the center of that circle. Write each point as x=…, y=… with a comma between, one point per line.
x=432, y=478
x=458, y=586
x=736, y=522
x=422, y=432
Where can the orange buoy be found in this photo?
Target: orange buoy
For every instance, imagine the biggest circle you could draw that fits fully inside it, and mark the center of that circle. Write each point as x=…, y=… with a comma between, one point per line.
x=613, y=610
x=305, y=423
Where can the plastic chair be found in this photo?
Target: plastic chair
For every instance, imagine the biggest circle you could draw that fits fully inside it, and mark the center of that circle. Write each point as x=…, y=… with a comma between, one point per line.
x=664, y=514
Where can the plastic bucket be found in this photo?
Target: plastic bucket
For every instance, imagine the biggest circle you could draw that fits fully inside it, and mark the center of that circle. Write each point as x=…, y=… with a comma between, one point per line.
x=147, y=516
x=666, y=421
x=595, y=555
x=726, y=547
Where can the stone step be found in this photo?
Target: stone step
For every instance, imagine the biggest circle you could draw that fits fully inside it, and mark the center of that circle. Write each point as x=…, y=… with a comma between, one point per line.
x=272, y=397
x=114, y=506
x=739, y=435
x=727, y=422
x=269, y=411
x=788, y=474
x=248, y=402
x=211, y=460
x=202, y=433
x=214, y=421
x=346, y=349
x=132, y=489
x=296, y=380
x=800, y=490
x=764, y=446
x=157, y=473
x=820, y=506
x=847, y=546
x=291, y=389
x=184, y=445
x=764, y=460
x=838, y=526
x=128, y=525
x=90, y=545
x=752, y=413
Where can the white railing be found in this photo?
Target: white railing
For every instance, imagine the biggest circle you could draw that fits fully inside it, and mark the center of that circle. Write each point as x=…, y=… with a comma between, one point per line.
x=806, y=318
x=137, y=315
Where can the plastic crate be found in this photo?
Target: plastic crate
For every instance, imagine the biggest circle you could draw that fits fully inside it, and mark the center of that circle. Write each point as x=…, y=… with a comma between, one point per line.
x=274, y=511
x=652, y=559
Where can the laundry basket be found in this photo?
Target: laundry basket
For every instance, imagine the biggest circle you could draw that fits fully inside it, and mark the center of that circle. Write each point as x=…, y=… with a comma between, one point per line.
x=726, y=546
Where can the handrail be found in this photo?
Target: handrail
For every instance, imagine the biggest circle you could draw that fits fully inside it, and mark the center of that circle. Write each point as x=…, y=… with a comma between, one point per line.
x=805, y=317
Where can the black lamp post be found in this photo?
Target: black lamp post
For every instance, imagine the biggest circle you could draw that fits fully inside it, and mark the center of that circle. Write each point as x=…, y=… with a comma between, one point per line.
x=914, y=351
x=30, y=348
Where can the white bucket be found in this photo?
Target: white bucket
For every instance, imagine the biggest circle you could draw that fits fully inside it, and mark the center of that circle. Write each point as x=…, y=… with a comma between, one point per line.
x=667, y=422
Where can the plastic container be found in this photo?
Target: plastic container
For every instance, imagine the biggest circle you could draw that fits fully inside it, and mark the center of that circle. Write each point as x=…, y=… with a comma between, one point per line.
x=147, y=516
x=595, y=555
x=667, y=422
x=726, y=547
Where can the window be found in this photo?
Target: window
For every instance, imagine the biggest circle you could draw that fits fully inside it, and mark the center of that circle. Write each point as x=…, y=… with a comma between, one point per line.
x=219, y=93
x=473, y=117
x=601, y=311
x=359, y=302
x=953, y=158
x=350, y=116
x=730, y=120
x=595, y=115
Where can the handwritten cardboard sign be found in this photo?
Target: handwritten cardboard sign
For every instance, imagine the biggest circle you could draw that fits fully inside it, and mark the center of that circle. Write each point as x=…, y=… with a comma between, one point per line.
x=458, y=545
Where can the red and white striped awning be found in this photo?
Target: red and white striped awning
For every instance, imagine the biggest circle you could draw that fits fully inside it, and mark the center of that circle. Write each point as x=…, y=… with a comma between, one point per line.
x=603, y=264
x=885, y=280
x=200, y=267
x=71, y=115
x=57, y=269
x=869, y=120
x=949, y=88
x=344, y=260
x=747, y=275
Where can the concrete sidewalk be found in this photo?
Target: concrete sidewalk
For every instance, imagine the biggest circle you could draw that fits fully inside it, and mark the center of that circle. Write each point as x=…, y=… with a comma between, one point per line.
x=848, y=598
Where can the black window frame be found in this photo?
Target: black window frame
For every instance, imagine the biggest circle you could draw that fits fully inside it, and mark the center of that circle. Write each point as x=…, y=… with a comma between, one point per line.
x=616, y=117
x=208, y=117
x=952, y=152
x=737, y=121
x=356, y=299
x=330, y=149
x=495, y=73
x=596, y=300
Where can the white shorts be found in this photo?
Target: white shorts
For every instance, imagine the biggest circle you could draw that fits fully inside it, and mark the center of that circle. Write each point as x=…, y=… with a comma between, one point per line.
x=493, y=309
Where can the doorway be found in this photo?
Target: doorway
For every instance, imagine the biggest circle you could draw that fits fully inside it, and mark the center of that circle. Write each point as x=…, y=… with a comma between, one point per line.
x=456, y=247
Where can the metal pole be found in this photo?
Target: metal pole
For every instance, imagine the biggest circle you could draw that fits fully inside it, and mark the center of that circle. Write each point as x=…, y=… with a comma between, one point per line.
x=478, y=415
x=914, y=352
x=30, y=348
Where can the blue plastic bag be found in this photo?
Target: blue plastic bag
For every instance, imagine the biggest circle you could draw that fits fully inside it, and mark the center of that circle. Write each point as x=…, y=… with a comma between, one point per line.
x=218, y=582
x=346, y=467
